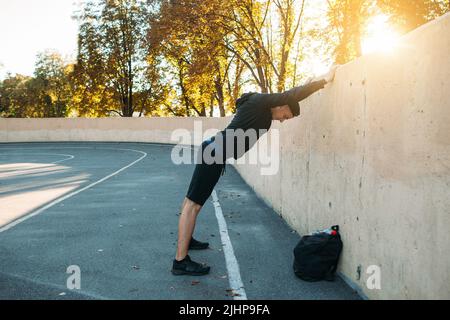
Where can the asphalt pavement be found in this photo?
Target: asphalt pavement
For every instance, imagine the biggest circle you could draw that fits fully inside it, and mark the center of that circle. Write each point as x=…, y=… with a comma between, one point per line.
x=111, y=210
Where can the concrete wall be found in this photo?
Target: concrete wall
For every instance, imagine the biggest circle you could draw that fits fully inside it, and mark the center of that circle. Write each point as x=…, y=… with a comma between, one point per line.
x=156, y=130
x=370, y=152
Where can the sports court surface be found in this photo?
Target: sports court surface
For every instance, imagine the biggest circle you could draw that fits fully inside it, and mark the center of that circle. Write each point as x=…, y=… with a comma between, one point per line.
x=112, y=210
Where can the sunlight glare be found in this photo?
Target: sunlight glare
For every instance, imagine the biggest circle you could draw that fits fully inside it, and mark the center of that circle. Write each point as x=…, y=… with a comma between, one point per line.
x=381, y=37
x=319, y=67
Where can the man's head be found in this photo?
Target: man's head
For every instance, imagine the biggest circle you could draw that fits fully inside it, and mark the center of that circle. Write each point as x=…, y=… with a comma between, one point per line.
x=282, y=113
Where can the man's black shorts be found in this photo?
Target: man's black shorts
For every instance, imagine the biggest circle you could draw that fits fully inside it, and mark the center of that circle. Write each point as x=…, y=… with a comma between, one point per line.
x=205, y=177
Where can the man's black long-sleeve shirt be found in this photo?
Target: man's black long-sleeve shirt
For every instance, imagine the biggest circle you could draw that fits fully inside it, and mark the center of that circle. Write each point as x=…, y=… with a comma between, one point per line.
x=253, y=111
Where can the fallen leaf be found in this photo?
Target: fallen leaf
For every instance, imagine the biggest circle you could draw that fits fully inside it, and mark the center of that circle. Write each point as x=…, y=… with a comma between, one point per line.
x=231, y=293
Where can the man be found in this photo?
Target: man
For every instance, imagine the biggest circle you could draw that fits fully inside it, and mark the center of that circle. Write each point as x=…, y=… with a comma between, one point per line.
x=254, y=112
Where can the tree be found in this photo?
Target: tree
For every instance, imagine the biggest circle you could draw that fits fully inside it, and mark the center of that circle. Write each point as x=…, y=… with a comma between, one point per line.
x=250, y=26
x=244, y=23
x=112, y=60
x=410, y=14
x=289, y=26
x=227, y=44
x=14, y=96
x=348, y=19
x=50, y=85
x=187, y=39
x=45, y=95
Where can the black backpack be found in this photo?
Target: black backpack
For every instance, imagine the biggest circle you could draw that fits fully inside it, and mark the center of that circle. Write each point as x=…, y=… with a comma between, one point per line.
x=317, y=256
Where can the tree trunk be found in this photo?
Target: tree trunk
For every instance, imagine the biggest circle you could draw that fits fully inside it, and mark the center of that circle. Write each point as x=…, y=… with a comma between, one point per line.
x=220, y=97
x=130, y=89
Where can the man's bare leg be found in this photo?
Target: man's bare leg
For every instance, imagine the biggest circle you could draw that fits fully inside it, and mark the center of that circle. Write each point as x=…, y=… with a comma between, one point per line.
x=189, y=214
x=184, y=203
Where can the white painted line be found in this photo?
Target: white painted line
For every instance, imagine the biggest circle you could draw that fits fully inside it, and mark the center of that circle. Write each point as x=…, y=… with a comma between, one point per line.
x=70, y=157
x=51, y=204
x=234, y=274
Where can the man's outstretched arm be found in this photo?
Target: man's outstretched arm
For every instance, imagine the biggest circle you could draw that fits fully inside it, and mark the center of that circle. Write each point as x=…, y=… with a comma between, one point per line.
x=300, y=93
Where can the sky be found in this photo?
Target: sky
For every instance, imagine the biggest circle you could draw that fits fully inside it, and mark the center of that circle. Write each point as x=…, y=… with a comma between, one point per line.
x=28, y=27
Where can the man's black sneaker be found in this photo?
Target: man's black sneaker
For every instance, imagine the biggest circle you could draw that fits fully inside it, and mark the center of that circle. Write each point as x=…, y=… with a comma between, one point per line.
x=189, y=267
x=197, y=245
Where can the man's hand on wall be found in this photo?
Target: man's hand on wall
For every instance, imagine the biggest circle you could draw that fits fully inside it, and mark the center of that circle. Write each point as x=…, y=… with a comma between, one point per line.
x=328, y=77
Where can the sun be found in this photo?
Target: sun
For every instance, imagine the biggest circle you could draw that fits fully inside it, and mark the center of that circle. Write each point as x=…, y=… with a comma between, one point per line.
x=380, y=36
